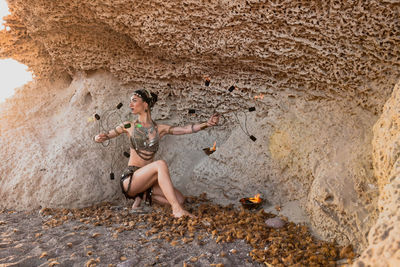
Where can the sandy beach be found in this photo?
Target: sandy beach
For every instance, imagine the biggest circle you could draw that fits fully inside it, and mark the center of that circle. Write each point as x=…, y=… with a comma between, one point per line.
x=111, y=235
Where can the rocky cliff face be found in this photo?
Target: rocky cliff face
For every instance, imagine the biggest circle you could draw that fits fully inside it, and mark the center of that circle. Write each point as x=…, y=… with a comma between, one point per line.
x=384, y=236
x=324, y=72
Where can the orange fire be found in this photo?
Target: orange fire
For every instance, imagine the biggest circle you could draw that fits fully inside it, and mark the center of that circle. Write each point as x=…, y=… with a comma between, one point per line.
x=214, y=146
x=261, y=96
x=255, y=199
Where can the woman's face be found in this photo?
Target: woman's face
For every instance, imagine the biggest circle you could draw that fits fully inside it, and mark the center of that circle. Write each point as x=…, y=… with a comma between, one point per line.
x=137, y=104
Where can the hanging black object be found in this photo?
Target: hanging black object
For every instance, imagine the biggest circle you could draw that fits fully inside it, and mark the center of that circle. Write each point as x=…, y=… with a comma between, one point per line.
x=119, y=105
x=252, y=109
x=192, y=111
x=253, y=138
x=97, y=116
x=112, y=176
x=231, y=88
x=126, y=154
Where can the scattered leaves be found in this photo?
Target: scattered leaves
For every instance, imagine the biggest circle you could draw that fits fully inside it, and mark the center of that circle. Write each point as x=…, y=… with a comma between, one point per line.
x=44, y=254
x=53, y=263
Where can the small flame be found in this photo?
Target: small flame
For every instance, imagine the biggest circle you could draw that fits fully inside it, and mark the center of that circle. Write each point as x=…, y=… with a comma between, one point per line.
x=214, y=146
x=255, y=199
x=261, y=96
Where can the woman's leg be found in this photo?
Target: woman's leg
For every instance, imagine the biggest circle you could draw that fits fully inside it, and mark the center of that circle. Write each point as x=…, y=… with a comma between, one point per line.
x=136, y=203
x=149, y=175
x=158, y=196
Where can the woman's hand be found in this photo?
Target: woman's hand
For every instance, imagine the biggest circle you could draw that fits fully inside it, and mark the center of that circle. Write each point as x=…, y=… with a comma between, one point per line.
x=100, y=138
x=213, y=120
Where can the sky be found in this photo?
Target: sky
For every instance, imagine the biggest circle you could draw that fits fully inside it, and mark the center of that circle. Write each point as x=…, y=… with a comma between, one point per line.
x=12, y=73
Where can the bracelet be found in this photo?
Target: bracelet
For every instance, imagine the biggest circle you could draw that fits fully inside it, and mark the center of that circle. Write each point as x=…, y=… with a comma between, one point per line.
x=116, y=130
x=203, y=125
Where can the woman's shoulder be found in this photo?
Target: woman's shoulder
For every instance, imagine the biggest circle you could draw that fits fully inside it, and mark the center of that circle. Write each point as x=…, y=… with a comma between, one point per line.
x=163, y=128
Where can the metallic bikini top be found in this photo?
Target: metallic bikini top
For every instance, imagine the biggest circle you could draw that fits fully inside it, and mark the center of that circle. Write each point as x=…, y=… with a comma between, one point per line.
x=145, y=141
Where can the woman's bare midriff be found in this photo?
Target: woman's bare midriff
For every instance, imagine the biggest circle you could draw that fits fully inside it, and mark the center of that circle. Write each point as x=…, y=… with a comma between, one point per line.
x=135, y=160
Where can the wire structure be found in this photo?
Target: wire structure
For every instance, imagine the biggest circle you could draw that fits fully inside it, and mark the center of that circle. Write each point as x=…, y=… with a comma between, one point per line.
x=104, y=124
x=223, y=113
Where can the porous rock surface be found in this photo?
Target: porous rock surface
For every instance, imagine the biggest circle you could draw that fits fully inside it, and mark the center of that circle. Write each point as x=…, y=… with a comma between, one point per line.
x=384, y=236
x=324, y=69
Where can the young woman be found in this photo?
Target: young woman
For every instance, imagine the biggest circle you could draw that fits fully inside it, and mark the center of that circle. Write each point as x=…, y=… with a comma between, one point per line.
x=143, y=175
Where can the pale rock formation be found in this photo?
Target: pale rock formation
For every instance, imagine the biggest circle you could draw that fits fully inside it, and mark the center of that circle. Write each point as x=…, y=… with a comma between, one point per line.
x=325, y=70
x=384, y=236
x=318, y=153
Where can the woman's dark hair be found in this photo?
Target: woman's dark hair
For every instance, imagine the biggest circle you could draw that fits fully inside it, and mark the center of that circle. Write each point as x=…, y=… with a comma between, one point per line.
x=149, y=97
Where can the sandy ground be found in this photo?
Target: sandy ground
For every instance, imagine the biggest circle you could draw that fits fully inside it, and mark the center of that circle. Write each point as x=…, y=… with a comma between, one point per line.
x=111, y=235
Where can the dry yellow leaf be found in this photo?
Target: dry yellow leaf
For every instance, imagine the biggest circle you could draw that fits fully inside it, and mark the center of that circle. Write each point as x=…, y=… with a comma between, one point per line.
x=219, y=239
x=96, y=235
x=174, y=243
x=91, y=263
x=44, y=254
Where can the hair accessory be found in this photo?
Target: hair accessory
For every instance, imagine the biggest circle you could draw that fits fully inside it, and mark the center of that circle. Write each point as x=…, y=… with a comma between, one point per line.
x=119, y=105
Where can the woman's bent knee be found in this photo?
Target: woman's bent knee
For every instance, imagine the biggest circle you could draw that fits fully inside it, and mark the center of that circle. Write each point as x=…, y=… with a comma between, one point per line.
x=162, y=164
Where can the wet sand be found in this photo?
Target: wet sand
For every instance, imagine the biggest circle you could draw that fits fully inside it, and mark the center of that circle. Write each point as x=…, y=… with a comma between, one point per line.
x=110, y=235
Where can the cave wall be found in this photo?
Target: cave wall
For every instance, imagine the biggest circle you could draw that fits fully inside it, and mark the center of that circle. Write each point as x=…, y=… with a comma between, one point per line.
x=384, y=237
x=325, y=71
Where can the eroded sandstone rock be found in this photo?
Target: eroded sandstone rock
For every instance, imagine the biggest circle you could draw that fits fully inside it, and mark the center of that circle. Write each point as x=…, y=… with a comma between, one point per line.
x=325, y=70
x=384, y=236
x=341, y=50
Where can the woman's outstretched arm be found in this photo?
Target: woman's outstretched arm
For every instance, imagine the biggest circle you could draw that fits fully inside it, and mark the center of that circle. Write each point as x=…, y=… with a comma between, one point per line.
x=119, y=129
x=188, y=129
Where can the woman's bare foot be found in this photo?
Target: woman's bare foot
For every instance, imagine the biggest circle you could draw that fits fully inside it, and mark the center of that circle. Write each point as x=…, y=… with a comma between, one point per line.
x=137, y=203
x=181, y=212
